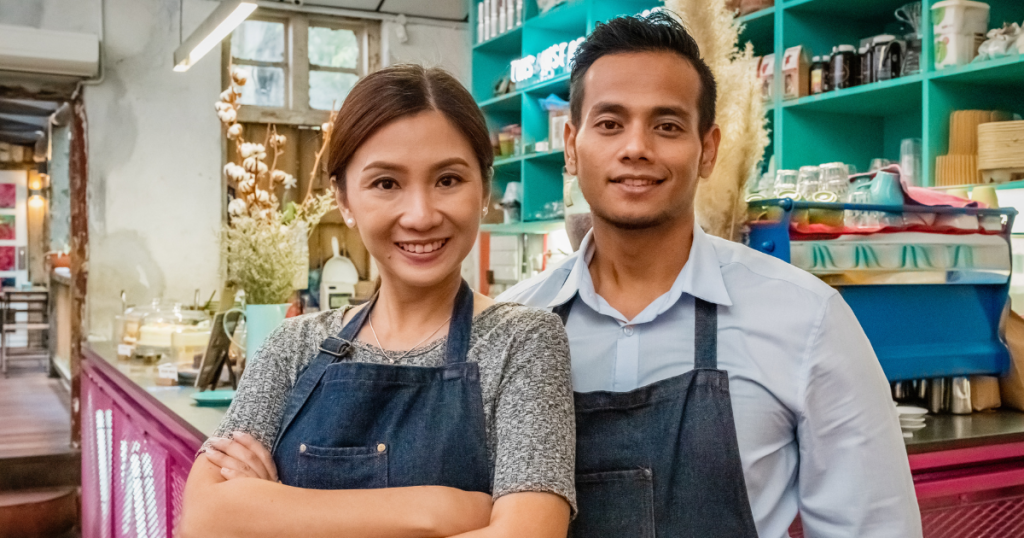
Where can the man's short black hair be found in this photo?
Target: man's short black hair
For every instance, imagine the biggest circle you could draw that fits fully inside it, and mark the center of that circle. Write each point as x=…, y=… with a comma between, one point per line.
x=655, y=33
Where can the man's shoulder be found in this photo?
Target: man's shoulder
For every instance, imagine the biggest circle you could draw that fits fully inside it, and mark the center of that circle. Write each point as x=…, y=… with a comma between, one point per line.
x=742, y=263
x=541, y=289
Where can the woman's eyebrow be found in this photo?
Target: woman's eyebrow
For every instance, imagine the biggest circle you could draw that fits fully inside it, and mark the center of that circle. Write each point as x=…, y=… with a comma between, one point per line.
x=384, y=165
x=449, y=162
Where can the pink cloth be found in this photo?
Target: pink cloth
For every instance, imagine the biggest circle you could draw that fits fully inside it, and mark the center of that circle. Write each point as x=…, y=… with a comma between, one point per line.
x=925, y=196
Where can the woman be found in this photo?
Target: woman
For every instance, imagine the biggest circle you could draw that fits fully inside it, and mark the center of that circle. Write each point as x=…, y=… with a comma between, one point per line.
x=430, y=400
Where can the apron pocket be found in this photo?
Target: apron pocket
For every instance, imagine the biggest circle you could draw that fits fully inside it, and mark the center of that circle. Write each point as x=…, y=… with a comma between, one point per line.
x=342, y=468
x=614, y=504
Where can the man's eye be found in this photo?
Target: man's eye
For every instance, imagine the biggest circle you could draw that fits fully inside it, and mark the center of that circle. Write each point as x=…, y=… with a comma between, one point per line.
x=607, y=124
x=671, y=127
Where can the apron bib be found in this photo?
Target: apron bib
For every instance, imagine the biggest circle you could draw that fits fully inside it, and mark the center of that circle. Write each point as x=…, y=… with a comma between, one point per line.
x=350, y=425
x=662, y=460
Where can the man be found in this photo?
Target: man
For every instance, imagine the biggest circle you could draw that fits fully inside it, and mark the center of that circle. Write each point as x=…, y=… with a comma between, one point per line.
x=719, y=391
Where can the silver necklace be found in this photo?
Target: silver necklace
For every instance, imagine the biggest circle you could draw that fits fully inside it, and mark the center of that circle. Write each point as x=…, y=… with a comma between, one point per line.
x=384, y=353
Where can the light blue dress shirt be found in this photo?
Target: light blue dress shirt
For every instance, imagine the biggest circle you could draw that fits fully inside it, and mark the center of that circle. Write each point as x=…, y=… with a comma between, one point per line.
x=817, y=429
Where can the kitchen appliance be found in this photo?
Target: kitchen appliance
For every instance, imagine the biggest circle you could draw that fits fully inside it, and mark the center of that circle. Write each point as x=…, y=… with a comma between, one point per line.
x=338, y=280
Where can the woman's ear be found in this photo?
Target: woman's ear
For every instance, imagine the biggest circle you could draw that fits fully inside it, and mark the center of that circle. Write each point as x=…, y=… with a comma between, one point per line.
x=342, y=200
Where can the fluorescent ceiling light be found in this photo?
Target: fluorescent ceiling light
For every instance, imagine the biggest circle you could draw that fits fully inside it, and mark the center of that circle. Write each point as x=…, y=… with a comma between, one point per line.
x=225, y=18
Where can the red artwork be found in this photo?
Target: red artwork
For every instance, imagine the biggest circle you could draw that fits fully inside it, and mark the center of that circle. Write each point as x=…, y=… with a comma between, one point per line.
x=8, y=195
x=8, y=257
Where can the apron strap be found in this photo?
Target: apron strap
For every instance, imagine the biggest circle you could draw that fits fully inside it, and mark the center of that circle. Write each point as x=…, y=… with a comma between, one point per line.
x=705, y=339
x=457, y=348
x=331, y=350
x=563, y=309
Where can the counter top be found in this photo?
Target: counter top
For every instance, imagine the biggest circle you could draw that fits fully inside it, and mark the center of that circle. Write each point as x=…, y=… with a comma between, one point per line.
x=177, y=400
x=949, y=432
x=942, y=432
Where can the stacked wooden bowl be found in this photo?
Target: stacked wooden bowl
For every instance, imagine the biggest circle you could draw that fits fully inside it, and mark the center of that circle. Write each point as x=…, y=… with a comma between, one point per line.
x=1001, y=151
x=960, y=166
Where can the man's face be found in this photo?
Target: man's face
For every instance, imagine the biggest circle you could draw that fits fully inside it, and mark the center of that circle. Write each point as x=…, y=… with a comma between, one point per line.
x=637, y=150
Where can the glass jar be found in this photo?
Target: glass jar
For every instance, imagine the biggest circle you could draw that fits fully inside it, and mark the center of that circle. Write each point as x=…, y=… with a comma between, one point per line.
x=808, y=182
x=785, y=184
x=845, y=67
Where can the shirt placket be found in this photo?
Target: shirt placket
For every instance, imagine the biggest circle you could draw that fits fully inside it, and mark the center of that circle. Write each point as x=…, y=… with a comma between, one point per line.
x=627, y=359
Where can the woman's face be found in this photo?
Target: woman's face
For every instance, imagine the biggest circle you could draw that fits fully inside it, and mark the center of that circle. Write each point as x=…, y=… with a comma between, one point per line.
x=415, y=192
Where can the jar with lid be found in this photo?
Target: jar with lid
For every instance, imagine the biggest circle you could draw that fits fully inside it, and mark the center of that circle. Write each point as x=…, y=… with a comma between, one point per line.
x=845, y=67
x=818, y=70
x=887, y=57
x=127, y=326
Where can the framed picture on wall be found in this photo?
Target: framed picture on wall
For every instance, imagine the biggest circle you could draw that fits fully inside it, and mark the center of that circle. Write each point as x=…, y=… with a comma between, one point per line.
x=8, y=196
x=8, y=230
x=8, y=258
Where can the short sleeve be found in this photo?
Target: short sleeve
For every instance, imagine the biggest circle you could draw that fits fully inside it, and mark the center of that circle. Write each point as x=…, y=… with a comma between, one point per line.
x=534, y=418
x=264, y=387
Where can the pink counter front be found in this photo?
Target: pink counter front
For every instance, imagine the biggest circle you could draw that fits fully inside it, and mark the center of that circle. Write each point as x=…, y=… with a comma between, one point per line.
x=139, y=439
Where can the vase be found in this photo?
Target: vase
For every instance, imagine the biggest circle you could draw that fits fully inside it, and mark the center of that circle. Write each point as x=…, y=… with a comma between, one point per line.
x=260, y=321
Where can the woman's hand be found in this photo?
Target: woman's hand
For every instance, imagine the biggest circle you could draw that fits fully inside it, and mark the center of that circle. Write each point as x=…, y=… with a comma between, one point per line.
x=242, y=456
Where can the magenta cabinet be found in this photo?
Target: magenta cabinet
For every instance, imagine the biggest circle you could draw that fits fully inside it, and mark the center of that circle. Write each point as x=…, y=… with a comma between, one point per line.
x=136, y=456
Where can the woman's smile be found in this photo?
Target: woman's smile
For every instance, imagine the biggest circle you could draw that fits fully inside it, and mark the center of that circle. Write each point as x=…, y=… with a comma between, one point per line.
x=422, y=247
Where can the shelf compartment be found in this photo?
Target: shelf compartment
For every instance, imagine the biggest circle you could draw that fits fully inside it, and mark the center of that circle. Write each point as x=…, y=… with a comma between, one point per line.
x=511, y=42
x=568, y=16
x=1004, y=72
x=878, y=98
x=759, y=28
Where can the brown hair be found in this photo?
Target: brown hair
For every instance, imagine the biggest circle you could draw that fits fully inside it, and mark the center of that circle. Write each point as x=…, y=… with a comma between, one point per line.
x=404, y=90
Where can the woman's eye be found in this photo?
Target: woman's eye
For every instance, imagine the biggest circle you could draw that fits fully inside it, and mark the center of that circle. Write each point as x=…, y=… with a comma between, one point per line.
x=385, y=184
x=449, y=181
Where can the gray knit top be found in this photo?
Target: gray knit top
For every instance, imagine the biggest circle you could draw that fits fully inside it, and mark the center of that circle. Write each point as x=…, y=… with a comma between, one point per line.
x=523, y=356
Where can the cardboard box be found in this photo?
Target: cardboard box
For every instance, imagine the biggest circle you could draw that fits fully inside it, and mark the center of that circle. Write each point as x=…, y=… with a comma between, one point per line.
x=796, y=73
x=766, y=74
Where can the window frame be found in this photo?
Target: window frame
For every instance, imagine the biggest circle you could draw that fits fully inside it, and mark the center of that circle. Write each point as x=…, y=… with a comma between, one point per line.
x=298, y=66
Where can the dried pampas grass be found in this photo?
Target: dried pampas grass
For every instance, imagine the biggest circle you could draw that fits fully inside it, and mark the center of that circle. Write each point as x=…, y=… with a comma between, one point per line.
x=720, y=206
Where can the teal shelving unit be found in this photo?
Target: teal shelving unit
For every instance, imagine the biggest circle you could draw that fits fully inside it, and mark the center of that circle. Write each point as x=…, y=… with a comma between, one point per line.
x=858, y=124
x=540, y=173
x=853, y=125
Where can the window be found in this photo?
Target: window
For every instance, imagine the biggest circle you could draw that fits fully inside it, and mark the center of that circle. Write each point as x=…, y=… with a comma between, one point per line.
x=298, y=66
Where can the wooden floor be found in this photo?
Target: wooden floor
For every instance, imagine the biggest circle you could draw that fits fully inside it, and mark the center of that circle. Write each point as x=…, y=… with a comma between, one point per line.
x=34, y=413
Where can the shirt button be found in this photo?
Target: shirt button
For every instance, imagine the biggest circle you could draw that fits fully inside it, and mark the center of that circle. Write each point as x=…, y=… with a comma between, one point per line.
x=381, y=447
x=302, y=447
x=628, y=329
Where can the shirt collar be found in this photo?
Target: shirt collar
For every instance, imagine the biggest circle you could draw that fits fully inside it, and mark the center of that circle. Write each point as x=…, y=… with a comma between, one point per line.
x=700, y=277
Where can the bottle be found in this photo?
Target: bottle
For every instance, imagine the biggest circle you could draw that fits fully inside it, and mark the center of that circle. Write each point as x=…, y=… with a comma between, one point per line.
x=519, y=12
x=480, y=22
x=494, y=18
x=817, y=75
x=487, y=20
x=502, y=28
x=510, y=14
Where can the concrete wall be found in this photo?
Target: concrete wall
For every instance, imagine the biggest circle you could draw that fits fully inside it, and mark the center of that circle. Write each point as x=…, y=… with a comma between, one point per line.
x=155, y=146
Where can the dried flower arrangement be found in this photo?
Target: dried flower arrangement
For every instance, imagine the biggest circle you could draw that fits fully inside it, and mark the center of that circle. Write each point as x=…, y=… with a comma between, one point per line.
x=720, y=204
x=264, y=244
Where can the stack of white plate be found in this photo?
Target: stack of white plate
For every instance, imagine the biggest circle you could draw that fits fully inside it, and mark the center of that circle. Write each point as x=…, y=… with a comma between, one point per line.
x=911, y=419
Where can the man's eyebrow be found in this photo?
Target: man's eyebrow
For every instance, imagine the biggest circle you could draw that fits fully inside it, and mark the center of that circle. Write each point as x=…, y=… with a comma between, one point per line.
x=671, y=111
x=605, y=107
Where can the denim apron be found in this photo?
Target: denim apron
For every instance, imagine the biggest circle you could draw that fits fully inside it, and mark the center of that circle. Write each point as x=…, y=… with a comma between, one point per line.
x=662, y=460
x=349, y=425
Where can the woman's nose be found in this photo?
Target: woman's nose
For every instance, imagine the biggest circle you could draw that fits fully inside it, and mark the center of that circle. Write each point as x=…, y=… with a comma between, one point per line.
x=419, y=211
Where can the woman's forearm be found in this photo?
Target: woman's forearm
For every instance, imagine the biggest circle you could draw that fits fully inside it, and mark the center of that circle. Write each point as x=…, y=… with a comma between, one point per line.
x=254, y=508
x=537, y=515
